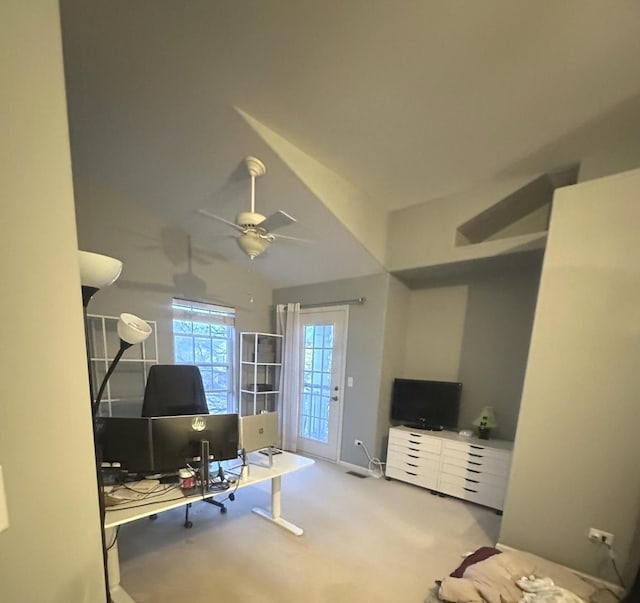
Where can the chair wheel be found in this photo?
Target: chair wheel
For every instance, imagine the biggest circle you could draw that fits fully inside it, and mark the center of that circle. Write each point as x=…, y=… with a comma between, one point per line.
x=153, y=517
x=232, y=496
x=223, y=510
x=188, y=524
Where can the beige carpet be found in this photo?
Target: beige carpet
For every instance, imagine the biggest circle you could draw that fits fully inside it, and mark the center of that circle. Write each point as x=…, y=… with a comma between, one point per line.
x=365, y=541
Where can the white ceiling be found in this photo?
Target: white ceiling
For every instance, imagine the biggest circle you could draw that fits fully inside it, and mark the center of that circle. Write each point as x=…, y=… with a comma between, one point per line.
x=408, y=101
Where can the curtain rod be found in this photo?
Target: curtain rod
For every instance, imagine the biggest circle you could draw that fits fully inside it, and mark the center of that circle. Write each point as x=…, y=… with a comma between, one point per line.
x=358, y=301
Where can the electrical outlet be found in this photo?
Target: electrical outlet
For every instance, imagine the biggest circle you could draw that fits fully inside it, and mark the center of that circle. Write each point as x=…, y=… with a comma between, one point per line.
x=357, y=442
x=601, y=536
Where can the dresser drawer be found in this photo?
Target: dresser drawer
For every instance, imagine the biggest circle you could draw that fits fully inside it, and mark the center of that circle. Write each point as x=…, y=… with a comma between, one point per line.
x=498, y=464
x=396, y=449
x=475, y=475
x=476, y=449
x=482, y=494
x=416, y=465
x=415, y=441
x=429, y=480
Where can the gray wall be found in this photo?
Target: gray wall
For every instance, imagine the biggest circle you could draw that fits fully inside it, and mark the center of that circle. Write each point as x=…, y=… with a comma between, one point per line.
x=396, y=323
x=51, y=552
x=475, y=328
x=577, y=446
x=364, y=354
x=153, y=254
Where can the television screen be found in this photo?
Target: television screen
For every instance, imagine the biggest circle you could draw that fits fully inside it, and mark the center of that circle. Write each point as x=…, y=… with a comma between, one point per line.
x=426, y=404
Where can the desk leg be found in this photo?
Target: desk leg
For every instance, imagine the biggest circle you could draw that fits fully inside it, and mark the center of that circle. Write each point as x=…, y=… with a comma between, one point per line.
x=274, y=515
x=118, y=594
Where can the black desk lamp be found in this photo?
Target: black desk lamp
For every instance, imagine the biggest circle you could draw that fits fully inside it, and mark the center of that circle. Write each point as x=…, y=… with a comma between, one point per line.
x=98, y=271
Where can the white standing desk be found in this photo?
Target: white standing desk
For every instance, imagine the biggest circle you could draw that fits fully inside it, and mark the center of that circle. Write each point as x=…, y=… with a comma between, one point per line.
x=258, y=471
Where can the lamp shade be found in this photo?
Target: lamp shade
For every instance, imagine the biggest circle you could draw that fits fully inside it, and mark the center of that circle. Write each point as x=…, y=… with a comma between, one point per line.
x=132, y=329
x=253, y=244
x=487, y=418
x=98, y=270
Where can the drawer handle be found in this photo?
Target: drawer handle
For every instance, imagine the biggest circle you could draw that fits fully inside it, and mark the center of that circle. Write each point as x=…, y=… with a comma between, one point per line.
x=415, y=435
x=415, y=449
x=411, y=465
x=472, y=471
x=413, y=456
x=470, y=490
x=409, y=473
x=476, y=464
x=479, y=456
x=477, y=447
x=412, y=442
x=473, y=481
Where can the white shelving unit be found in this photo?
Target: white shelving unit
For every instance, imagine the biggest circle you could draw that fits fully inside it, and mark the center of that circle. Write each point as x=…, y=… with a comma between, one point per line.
x=260, y=366
x=125, y=389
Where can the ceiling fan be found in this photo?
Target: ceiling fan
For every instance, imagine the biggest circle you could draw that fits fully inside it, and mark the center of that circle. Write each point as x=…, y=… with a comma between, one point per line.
x=256, y=229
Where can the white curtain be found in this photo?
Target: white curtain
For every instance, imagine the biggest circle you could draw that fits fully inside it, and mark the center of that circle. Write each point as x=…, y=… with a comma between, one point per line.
x=288, y=325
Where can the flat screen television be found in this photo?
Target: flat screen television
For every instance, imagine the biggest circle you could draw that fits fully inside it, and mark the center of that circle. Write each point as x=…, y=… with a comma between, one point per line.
x=426, y=404
x=165, y=444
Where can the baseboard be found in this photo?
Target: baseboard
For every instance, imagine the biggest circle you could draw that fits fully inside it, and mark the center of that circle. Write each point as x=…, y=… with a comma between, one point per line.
x=615, y=588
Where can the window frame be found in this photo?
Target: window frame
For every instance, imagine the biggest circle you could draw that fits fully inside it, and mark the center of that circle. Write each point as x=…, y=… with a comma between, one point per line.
x=201, y=313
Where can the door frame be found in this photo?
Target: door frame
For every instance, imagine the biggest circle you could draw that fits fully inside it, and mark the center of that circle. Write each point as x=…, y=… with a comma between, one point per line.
x=341, y=370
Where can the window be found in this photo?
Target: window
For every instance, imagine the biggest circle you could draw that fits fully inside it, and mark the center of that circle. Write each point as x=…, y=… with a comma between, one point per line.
x=204, y=335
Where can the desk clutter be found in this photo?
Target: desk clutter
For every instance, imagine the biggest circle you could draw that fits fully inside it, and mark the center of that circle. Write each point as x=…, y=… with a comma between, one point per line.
x=186, y=482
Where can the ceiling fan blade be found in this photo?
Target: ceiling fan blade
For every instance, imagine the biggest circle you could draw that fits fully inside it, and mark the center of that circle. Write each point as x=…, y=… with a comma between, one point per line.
x=204, y=212
x=277, y=220
x=288, y=238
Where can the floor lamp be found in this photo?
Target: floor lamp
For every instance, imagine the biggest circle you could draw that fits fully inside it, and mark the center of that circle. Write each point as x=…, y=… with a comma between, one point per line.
x=98, y=271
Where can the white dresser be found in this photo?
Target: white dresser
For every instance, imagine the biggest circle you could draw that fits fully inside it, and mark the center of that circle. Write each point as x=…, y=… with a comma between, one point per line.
x=442, y=461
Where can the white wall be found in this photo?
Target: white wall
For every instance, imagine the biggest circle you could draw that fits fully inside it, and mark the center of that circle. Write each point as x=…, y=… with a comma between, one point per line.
x=51, y=551
x=615, y=157
x=575, y=462
x=425, y=235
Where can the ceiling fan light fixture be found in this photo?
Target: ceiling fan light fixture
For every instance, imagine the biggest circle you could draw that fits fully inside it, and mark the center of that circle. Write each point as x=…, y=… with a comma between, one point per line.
x=249, y=219
x=253, y=244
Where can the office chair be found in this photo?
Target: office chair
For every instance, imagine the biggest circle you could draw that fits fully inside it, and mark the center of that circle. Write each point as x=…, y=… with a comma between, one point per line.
x=176, y=389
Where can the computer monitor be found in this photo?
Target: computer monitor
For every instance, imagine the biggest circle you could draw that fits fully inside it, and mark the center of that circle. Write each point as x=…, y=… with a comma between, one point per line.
x=165, y=444
x=259, y=431
x=178, y=438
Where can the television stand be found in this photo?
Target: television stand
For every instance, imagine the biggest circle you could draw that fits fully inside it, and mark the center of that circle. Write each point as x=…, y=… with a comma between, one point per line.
x=448, y=464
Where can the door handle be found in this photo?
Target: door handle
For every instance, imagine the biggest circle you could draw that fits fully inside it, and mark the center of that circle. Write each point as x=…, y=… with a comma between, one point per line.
x=334, y=398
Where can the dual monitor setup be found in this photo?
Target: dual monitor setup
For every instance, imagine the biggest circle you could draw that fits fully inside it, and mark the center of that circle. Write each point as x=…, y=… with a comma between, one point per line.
x=175, y=430
x=432, y=405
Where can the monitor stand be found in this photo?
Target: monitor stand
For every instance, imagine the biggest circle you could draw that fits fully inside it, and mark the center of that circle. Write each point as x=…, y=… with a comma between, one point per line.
x=204, y=476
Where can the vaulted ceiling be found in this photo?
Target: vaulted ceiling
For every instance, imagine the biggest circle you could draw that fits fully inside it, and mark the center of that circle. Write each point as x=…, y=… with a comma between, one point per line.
x=357, y=107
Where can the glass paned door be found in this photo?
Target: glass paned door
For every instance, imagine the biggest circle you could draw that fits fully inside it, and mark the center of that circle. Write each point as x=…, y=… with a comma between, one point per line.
x=323, y=340
x=316, y=386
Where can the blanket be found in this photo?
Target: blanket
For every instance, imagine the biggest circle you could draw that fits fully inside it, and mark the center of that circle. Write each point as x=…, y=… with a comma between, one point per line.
x=517, y=577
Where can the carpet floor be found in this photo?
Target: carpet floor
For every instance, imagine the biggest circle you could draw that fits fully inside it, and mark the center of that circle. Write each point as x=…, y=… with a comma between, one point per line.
x=365, y=541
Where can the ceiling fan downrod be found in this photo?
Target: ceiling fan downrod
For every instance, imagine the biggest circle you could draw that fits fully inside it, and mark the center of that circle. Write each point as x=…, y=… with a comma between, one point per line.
x=255, y=168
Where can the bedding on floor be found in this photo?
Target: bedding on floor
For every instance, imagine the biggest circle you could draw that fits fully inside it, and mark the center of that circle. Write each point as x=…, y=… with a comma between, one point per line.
x=491, y=576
